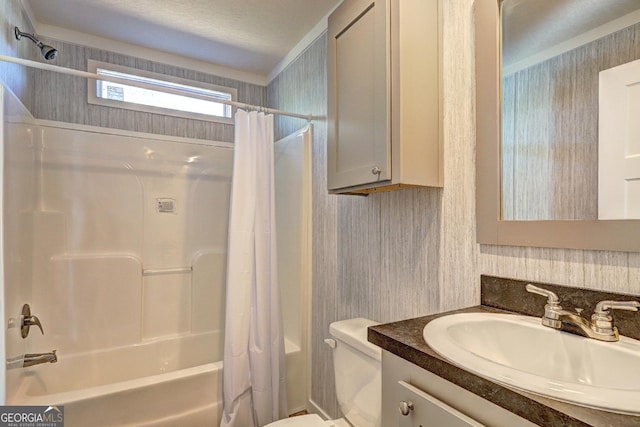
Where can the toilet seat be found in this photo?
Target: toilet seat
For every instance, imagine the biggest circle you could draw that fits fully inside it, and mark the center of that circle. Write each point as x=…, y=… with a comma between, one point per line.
x=312, y=420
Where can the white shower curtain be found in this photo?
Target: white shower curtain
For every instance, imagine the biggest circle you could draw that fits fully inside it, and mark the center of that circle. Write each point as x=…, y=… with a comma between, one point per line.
x=254, y=360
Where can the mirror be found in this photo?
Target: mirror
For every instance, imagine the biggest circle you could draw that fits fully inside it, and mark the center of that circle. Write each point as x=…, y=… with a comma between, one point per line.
x=556, y=121
x=566, y=70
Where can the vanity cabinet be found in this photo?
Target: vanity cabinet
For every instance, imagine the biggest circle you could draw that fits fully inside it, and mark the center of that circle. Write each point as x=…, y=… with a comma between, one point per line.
x=384, y=96
x=434, y=401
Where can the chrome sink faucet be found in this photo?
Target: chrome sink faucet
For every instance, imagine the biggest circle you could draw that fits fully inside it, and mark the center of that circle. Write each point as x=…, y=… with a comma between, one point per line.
x=600, y=327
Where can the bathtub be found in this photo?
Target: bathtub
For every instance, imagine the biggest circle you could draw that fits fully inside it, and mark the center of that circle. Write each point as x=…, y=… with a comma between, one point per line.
x=153, y=384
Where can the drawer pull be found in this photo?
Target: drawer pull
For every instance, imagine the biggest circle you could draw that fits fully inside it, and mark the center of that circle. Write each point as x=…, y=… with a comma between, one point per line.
x=405, y=407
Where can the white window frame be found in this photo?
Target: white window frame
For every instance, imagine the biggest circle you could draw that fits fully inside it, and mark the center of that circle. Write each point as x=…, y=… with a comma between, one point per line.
x=93, y=98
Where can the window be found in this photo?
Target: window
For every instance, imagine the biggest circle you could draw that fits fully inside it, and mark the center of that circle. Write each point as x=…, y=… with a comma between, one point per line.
x=160, y=94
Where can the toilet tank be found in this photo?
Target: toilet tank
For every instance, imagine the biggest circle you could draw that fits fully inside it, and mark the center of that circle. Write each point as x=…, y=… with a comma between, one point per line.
x=358, y=372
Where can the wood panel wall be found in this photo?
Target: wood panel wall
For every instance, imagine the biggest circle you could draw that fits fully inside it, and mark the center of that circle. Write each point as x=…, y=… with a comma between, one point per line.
x=411, y=252
x=64, y=98
x=381, y=256
x=19, y=79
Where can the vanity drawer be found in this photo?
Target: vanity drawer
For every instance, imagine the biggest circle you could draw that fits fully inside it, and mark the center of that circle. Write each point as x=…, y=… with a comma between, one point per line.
x=460, y=407
x=424, y=410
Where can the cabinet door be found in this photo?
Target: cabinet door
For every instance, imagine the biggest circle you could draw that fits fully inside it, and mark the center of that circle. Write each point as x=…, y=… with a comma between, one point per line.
x=358, y=147
x=427, y=411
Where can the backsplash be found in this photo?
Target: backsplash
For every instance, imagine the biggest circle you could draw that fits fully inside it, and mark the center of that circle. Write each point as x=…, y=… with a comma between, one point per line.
x=511, y=295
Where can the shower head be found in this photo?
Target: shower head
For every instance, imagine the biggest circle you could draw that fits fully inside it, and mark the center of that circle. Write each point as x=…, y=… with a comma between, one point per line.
x=48, y=52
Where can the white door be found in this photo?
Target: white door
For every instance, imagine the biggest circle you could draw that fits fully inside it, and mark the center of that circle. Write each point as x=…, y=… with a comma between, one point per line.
x=619, y=142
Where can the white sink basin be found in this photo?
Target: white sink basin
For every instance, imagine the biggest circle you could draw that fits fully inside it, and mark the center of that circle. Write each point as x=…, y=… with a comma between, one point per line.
x=518, y=351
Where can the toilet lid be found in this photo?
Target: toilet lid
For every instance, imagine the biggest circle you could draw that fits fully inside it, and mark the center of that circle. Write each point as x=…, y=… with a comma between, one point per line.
x=312, y=420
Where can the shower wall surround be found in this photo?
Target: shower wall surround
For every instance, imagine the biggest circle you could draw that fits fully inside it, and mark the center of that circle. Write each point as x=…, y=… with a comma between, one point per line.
x=111, y=268
x=109, y=271
x=413, y=252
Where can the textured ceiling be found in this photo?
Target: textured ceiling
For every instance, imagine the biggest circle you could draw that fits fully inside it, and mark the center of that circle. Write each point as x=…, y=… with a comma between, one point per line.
x=251, y=35
x=530, y=26
x=254, y=35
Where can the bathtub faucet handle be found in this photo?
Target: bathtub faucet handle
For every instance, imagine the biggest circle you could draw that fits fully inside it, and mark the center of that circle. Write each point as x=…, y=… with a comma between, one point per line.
x=33, y=321
x=28, y=321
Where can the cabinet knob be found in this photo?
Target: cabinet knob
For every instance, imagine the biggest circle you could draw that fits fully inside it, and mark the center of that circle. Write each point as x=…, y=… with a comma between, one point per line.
x=405, y=407
x=376, y=170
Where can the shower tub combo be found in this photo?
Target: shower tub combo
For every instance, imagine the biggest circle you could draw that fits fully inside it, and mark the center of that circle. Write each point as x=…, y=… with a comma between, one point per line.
x=117, y=241
x=130, y=387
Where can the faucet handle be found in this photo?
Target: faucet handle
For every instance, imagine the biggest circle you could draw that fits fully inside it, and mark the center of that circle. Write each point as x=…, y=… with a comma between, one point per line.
x=602, y=321
x=603, y=307
x=27, y=321
x=33, y=321
x=552, y=297
x=552, y=308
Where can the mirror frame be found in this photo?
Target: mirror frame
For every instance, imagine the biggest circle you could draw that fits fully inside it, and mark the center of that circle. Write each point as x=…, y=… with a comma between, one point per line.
x=612, y=235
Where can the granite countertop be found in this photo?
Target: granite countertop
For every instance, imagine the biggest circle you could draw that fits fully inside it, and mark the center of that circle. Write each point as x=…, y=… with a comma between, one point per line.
x=404, y=339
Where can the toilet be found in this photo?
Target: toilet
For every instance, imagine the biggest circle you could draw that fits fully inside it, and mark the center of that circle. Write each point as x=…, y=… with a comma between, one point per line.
x=358, y=376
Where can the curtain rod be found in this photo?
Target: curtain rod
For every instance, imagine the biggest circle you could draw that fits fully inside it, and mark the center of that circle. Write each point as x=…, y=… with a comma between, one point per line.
x=85, y=74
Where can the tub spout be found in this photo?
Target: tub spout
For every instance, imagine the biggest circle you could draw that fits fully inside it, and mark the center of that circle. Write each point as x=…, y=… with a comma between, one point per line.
x=38, y=358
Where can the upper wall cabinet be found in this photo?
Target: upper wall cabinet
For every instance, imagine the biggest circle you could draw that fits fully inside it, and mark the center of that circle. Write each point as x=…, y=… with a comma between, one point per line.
x=384, y=96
